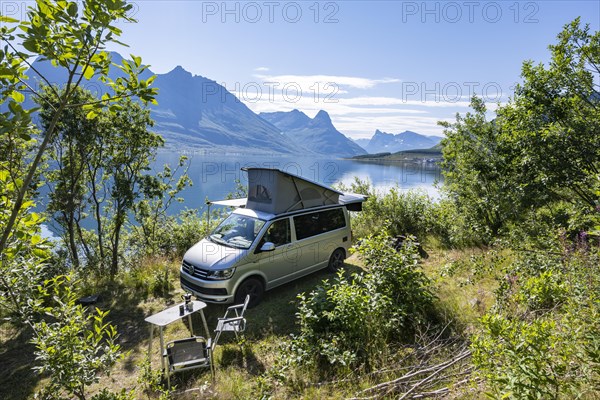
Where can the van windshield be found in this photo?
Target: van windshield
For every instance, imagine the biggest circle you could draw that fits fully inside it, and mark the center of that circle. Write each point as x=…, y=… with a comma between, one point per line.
x=237, y=231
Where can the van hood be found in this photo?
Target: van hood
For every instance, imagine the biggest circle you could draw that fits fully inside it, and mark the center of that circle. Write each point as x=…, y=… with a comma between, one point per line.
x=209, y=255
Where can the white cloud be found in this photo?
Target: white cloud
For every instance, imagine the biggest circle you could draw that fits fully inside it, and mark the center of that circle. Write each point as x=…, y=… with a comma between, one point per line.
x=390, y=101
x=311, y=104
x=355, y=116
x=261, y=69
x=310, y=81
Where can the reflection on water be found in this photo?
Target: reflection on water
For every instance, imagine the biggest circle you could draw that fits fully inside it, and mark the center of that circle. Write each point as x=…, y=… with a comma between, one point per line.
x=215, y=176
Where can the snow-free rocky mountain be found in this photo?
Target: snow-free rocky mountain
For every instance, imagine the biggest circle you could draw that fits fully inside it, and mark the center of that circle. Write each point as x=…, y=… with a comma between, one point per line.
x=383, y=142
x=196, y=112
x=317, y=134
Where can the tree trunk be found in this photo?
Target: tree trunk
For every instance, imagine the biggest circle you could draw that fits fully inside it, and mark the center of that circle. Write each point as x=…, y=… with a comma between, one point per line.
x=72, y=243
x=114, y=265
x=97, y=212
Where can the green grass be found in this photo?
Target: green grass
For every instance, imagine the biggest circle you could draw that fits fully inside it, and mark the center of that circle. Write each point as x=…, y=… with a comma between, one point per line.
x=239, y=366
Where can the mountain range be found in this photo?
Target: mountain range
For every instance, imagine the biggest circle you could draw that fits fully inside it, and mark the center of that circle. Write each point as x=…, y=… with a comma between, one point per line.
x=317, y=134
x=196, y=112
x=382, y=142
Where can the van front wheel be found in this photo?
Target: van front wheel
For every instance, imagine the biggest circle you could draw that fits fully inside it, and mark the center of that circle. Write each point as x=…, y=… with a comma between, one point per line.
x=253, y=287
x=336, y=261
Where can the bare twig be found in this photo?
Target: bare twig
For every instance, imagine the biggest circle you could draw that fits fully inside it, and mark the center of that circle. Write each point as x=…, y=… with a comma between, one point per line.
x=420, y=380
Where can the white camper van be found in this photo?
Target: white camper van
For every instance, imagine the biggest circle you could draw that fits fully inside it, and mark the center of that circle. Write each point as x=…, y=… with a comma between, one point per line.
x=287, y=228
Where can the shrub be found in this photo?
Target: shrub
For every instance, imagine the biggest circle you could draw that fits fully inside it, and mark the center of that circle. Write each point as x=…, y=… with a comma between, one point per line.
x=161, y=284
x=348, y=323
x=342, y=325
x=396, y=275
x=453, y=229
x=407, y=213
x=72, y=345
x=189, y=229
x=542, y=338
x=411, y=213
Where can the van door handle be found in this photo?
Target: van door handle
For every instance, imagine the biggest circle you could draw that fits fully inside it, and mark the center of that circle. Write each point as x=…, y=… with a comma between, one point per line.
x=345, y=239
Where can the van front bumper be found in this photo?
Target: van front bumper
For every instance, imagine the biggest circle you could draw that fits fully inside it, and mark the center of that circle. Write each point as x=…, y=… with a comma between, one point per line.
x=208, y=291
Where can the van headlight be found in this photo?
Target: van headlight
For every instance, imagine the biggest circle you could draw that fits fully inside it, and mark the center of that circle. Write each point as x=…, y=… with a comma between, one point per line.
x=221, y=274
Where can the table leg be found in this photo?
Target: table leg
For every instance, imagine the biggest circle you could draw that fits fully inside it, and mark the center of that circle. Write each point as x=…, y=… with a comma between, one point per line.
x=205, y=324
x=190, y=323
x=162, y=350
x=150, y=345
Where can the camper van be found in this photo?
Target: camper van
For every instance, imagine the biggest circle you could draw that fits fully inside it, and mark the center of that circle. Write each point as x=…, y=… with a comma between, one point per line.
x=288, y=227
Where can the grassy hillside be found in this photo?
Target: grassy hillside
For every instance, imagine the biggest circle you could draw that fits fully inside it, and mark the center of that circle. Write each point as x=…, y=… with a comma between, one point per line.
x=244, y=370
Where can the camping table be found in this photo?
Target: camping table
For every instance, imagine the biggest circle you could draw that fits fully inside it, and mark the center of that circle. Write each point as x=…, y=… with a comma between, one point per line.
x=170, y=315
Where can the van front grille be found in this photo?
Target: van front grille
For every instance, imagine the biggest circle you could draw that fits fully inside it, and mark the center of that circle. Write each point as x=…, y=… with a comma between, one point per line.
x=185, y=284
x=193, y=270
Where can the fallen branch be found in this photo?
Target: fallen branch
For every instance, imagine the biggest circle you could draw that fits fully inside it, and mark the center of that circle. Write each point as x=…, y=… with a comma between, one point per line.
x=442, y=368
x=419, y=382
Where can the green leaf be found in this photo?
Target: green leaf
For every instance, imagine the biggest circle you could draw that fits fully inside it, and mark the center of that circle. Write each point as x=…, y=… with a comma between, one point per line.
x=88, y=72
x=91, y=115
x=40, y=253
x=8, y=19
x=137, y=60
x=31, y=45
x=17, y=96
x=72, y=10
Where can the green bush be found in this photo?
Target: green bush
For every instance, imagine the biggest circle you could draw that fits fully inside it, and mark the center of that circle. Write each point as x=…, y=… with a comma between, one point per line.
x=452, y=228
x=543, y=292
x=542, y=337
x=407, y=213
x=411, y=213
x=342, y=325
x=171, y=237
x=72, y=345
x=189, y=229
x=396, y=275
x=348, y=323
x=161, y=284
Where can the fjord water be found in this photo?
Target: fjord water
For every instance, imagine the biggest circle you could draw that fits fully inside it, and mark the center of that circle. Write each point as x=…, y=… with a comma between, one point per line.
x=215, y=176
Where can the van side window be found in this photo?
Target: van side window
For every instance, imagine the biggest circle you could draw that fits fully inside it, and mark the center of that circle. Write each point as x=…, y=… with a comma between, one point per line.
x=308, y=225
x=278, y=233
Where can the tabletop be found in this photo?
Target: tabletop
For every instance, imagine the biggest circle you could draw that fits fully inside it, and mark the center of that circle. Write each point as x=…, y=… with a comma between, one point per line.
x=165, y=317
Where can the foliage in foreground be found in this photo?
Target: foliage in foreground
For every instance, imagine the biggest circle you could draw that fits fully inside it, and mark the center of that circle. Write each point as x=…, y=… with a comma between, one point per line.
x=73, y=345
x=542, y=148
x=98, y=174
x=542, y=338
x=73, y=37
x=348, y=323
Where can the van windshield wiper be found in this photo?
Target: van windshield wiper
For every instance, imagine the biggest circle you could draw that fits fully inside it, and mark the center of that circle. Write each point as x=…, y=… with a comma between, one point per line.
x=239, y=243
x=218, y=240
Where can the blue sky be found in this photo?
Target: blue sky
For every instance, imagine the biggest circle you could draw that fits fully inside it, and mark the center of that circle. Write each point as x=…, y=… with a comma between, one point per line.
x=388, y=65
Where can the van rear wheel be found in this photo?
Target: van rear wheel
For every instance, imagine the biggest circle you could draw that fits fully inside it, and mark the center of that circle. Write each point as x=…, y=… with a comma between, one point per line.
x=336, y=261
x=253, y=287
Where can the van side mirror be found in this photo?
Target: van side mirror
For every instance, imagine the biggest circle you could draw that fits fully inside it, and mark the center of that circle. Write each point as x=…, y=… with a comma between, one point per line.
x=268, y=246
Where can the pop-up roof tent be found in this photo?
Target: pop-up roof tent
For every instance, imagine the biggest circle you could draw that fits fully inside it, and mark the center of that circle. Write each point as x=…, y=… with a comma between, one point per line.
x=275, y=192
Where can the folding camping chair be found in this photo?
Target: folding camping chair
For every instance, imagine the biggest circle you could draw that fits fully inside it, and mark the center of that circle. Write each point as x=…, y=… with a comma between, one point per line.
x=190, y=353
x=231, y=323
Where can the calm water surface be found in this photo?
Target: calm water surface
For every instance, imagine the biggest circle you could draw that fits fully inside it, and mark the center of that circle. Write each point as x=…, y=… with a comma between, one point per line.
x=215, y=176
